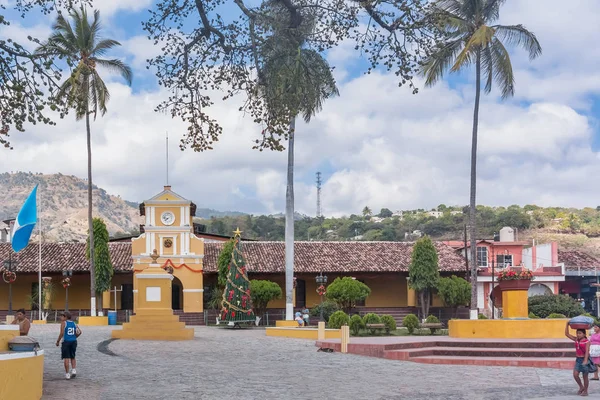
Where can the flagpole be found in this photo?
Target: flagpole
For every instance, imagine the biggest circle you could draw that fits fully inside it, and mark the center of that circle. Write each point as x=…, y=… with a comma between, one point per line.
x=40, y=269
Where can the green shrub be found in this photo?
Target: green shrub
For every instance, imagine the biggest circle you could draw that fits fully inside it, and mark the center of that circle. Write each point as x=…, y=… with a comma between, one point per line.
x=262, y=292
x=533, y=316
x=329, y=307
x=482, y=316
x=591, y=316
x=356, y=324
x=543, y=306
x=346, y=292
x=432, y=319
x=410, y=322
x=390, y=323
x=556, y=315
x=338, y=319
x=371, y=318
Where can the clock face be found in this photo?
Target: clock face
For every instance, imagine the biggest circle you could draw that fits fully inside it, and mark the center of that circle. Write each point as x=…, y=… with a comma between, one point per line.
x=167, y=218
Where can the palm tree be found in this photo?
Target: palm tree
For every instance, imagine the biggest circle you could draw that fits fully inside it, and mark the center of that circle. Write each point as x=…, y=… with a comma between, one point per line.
x=473, y=39
x=295, y=81
x=81, y=46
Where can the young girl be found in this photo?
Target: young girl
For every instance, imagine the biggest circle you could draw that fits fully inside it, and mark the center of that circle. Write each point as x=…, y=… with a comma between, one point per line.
x=595, y=349
x=582, y=353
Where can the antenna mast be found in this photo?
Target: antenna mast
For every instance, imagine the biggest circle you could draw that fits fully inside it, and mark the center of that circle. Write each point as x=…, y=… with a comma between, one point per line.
x=319, y=182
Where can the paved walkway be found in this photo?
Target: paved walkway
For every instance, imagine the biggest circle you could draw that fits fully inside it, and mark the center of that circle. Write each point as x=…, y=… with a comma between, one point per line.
x=245, y=364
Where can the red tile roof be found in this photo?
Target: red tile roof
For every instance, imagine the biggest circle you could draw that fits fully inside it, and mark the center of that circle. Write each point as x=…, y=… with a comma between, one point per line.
x=314, y=257
x=576, y=260
x=265, y=257
x=61, y=256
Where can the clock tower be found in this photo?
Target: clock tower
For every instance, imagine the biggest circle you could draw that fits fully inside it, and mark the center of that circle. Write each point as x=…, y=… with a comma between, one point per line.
x=168, y=229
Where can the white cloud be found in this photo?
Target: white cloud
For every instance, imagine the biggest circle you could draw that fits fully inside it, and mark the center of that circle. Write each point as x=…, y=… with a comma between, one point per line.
x=386, y=147
x=110, y=7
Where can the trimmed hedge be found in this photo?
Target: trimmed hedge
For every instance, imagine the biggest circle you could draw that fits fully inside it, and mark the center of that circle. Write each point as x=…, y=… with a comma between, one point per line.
x=390, y=323
x=543, y=306
x=410, y=322
x=356, y=324
x=338, y=319
x=432, y=319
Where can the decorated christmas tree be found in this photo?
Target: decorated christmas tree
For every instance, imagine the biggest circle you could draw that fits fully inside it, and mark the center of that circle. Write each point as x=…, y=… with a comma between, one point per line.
x=237, y=302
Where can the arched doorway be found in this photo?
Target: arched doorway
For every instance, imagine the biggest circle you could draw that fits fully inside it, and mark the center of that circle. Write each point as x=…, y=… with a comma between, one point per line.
x=539, y=289
x=177, y=294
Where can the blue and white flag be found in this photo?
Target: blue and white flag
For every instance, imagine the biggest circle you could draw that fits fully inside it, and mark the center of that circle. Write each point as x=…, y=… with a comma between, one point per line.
x=25, y=222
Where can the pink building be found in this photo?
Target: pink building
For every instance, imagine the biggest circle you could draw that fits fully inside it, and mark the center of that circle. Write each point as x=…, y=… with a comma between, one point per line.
x=505, y=251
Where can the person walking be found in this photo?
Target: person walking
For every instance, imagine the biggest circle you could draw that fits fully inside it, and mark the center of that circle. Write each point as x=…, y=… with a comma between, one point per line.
x=582, y=360
x=69, y=332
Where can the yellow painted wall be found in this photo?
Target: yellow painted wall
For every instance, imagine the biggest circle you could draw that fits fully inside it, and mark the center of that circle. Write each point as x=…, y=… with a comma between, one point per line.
x=79, y=291
x=387, y=290
x=21, y=379
x=507, y=329
x=196, y=246
x=138, y=245
x=6, y=334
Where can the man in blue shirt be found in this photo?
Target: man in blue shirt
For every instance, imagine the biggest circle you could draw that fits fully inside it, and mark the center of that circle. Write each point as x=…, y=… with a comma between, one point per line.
x=69, y=332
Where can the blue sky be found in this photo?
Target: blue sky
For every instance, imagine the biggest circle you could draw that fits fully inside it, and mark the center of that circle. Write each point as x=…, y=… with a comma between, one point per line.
x=376, y=145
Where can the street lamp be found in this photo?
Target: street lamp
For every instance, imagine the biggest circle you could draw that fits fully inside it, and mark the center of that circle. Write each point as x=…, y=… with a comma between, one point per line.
x=321, y=281
x=66, y=282
x=9, y=276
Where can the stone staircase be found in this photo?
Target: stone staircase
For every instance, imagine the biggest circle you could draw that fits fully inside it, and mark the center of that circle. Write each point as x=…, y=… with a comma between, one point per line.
x=541, y=353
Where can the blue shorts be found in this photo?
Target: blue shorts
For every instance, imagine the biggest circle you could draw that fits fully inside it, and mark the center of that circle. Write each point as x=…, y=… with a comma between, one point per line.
x=579, y=367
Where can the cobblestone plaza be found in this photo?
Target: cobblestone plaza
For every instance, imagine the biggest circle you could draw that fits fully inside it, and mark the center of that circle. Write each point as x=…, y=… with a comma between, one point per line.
x=245, y=364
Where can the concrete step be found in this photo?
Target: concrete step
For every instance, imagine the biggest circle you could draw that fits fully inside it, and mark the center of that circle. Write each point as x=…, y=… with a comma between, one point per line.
x=518, y=344
x=534, y=362
x=154, y=311
x=409, y=354
x=154, y=318
x=166, y=326
x=134, y=334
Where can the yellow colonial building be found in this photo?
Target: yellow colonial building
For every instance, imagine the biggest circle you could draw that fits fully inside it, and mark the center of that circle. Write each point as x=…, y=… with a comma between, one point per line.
x=169, y=231
x=192, y=257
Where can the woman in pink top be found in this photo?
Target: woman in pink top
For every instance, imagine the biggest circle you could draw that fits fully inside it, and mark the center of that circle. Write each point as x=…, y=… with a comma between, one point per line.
x=582, y=353
x=595, y=348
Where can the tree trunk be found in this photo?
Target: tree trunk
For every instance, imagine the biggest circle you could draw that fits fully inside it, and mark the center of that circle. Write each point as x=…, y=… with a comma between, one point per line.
x=473, y=202
x=289, y=227
x=90, y=217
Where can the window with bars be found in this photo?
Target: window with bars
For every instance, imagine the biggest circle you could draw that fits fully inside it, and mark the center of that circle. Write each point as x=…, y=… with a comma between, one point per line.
x=482, y=256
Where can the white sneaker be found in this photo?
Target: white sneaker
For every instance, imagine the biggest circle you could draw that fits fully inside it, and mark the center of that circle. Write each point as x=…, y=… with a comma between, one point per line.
x=73, y=373
x=67, y=376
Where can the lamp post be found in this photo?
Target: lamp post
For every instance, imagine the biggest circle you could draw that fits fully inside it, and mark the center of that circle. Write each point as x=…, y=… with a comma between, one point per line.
x=66, y=282
x=9, y=276
x=321, y=281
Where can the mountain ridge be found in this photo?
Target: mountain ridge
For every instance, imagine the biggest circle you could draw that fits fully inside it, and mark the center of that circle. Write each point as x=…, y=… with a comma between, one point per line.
x=62, y=204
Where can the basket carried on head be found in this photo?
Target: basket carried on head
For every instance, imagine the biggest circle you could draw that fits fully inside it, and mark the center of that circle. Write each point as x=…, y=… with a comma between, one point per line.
x=581, y=322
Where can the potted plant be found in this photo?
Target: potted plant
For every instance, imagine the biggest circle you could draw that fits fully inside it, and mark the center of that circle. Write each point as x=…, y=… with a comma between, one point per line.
x=515, y=279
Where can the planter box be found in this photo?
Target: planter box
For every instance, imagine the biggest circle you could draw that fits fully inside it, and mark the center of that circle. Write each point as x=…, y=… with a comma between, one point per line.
x=514, y=284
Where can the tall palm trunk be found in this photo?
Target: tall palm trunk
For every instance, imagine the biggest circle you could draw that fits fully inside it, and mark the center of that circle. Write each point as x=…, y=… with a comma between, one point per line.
x=90, y=217
x=289, y=227
x=473, y=203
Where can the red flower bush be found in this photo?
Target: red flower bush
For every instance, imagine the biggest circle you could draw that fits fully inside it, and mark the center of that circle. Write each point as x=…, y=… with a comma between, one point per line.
x=509, y=274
